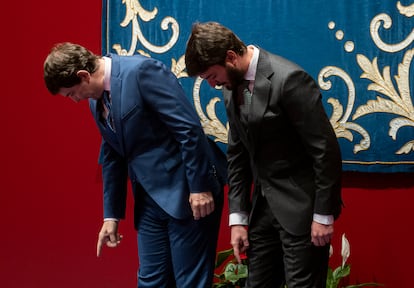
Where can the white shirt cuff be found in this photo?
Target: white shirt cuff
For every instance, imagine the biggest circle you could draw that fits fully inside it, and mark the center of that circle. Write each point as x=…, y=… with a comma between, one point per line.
x=241, y=218
x=238, y=218
x=323, y=219
x=111, y=219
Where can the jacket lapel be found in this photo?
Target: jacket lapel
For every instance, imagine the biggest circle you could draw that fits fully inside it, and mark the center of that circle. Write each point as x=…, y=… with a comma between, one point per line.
x=261, y=95
x=116, y=84
x=233, y=113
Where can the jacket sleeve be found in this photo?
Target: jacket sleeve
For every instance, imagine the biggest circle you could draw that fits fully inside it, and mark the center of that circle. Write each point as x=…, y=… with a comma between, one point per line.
x=164, y=95
x=303, y=104
x=239, y=175
x=115, y=175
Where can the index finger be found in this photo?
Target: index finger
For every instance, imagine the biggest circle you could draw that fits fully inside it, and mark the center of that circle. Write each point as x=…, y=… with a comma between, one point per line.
x=236, y=253
x=99, y=247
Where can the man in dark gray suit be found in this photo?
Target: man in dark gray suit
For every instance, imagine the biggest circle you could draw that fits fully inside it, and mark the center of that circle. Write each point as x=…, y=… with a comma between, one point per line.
x=282, y=142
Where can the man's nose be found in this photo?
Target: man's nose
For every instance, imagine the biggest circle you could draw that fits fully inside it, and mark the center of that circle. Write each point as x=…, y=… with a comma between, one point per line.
x=74, y=99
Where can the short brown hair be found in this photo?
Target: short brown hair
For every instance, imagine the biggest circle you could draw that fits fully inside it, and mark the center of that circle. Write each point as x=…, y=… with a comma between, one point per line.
x=208, y=45
x=62, y=64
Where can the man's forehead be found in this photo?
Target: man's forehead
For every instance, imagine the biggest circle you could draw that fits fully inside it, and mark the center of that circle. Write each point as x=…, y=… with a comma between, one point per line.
x=206, y=74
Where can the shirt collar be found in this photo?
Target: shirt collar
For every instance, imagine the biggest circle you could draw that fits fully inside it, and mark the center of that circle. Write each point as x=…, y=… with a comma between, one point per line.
x=107, y=73
x=251, y=71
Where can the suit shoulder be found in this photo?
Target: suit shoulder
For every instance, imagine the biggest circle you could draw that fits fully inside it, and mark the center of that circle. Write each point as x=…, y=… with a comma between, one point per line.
x=279, y=62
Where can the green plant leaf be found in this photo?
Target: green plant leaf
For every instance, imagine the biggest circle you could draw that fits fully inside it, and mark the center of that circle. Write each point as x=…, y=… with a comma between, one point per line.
x=235, y=272
x=329, y=279
x=342, y=272
x=230, y=273
x=223, y=285
x=372, y=284
x=219, y=276
x=222, y=256
x=242, y=271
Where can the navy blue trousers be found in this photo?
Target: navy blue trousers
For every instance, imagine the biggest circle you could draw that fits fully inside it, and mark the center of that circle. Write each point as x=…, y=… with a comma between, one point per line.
x=176, y=253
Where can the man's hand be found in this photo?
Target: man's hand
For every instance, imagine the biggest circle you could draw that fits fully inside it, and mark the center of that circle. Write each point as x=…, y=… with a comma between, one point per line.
x=108, y=235
x=321, y=234
x=239, y=241
x=202, y=204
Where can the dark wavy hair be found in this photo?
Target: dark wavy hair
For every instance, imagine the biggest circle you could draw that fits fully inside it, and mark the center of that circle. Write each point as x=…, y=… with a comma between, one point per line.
x=208, y=45
x=62, y=64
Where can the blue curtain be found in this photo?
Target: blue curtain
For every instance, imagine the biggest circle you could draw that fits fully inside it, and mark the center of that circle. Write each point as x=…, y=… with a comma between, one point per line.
x=359, y=52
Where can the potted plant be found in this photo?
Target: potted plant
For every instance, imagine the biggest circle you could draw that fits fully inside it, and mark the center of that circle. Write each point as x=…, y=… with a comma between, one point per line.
x=233, y=275
x=334, y=277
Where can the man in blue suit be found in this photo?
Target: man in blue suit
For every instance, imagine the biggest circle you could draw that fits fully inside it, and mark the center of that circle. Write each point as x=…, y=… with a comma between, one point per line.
x=151, y=134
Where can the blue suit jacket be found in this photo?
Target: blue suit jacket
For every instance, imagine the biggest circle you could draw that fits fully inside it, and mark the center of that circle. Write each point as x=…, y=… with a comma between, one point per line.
x=159, y=141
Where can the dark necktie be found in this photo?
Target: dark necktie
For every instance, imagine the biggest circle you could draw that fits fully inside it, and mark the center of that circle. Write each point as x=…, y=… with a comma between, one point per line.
x=107, y=113
x=244, y=101
x=247, y=95
x=244, y=94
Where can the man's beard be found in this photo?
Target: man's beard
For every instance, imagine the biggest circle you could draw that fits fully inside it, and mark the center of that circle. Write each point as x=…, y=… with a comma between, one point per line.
x=235, y=77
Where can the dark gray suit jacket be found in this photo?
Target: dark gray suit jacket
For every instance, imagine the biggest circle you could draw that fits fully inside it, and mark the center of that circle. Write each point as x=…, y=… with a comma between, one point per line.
x=289, y=149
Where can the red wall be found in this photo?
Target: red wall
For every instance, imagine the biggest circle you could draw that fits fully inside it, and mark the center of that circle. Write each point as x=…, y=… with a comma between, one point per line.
x=377, y=219
x=50, y=197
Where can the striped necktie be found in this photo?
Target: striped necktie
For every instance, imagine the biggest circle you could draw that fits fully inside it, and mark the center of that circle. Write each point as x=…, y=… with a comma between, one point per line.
x=107, y=113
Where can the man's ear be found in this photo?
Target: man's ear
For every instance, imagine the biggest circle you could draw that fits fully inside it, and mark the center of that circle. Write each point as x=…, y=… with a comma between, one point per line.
x=83, y=75
x=231, y=57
